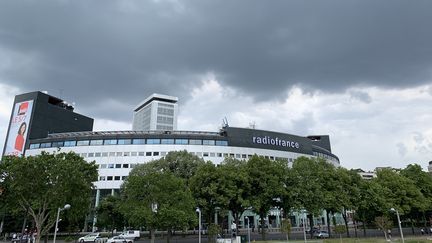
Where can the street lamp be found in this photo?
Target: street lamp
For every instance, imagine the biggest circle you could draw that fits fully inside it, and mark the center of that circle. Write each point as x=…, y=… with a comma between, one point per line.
x=399, y=223
x=248, y=228
x=304, y=225
x=199, y=225
x=66, y=207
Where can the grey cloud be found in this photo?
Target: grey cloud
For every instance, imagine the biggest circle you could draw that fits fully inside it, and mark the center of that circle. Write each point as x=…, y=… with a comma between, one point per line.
x=402, y=149
x=97, y=50
x=361, y=96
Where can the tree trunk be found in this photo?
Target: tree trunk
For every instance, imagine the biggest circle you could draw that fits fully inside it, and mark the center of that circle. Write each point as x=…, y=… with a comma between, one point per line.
x=169, y=233
x=263, y=230
x=364, y=227
x=311, y=225
x=328, y=223
x=412, y=226
x=152, y=236
x=346, y=222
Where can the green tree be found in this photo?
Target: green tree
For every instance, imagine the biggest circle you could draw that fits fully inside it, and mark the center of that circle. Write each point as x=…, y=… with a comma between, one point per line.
x=109, y=214
x=157, y=199
x=266, y=179
x=43, y=183
x=384, y=224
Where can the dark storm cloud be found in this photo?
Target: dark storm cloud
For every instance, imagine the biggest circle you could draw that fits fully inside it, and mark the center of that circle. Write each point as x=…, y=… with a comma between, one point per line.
x=94, y=51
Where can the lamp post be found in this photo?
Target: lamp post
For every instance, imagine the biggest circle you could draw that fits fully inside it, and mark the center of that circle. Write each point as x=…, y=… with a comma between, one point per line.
x=199, y=225
x=304, y=225
x=66, y=207
x=248, y=228
x=399, y=223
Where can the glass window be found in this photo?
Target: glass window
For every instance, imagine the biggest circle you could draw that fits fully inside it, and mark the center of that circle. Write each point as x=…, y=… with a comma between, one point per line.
x=97, y=154
x=84, y=155
x=124, y=178
x=110, y=142
x=110, y=166
x=103, y=166
x=90, y=154
x=101, y=178
x=105, y=154
x=125, y=165
x=124, y=141
x=96, y=142
x=141, y=153
x=119, y=154
x=163, y=153
x=118, y=166
x=155, y=153
x=70, y=143
x=208, y=142
x=57, y=144
x=138, y=141
x=109, y=178
x=83, y=143
x=195, y=141
x=238, y=156
x=133, y=153
x=181, y=141
x=205, y=154
x=132, y=165
x=221, y=143
x=126, y=153
x=116, y=178
x=45, y=145
x=219, y=154
x=244, y=156
x=34, y=145
x=212, y=154
x=167, y=141
x=111, y=154
x=148, y=153
x=199, y=154
x=153, y=141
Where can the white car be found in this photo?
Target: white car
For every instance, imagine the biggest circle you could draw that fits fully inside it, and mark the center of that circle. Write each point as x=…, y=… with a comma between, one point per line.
x=119, y=239
x=89, y=238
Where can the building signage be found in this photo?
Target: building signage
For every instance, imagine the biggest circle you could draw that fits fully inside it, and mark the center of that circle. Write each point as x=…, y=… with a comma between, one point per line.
x=275, y=141
x=18, y=128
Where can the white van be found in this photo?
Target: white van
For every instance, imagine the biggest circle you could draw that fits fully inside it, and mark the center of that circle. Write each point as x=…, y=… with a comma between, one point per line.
x=131, y=234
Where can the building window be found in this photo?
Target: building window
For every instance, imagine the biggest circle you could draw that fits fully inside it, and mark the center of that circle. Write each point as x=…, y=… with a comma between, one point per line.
x=111, y=154
x=163, y=153
x=199, y=154
x=141, y=153
x=45, y=145
x=70, y=143
x=126, y=153
x=109, y=178
x=148, y=153
x=118, y=166
x=208, y=142
x=97, y=154
x=212, y=154
x=181, y=141
x=138, y=141
x=125, y=165
x=110, y=166
x=155, y=153
x=102, y=178
x=124, y=178
x=119, y=153
x=132, y=165
x=167, y=141
x=34, y=145
x=83, y=143
x=116, y=178
x=195, y=141
x=103, y=166
x=90, y=154
x=57, y=144
x=110, y=141
x=153, y=141
x=96, y=142
x=124, y=141
x=105, y=154
x=133, y=153
x=221, y=143
x=219, y=155
x=84, y=155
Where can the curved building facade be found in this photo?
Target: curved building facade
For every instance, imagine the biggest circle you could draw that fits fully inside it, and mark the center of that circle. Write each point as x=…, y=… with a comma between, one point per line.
x=117, y=153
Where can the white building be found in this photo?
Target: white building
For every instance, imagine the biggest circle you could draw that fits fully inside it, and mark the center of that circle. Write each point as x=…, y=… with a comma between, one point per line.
x=157, y=112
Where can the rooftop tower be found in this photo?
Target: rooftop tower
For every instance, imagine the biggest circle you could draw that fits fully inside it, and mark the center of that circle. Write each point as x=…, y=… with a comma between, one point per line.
x=157, y=112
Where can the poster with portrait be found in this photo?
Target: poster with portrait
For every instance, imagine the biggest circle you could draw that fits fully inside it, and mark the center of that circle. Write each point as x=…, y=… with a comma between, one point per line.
x=18, y=129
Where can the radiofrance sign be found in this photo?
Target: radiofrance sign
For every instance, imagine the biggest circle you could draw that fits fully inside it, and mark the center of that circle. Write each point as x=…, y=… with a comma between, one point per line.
x=275, y=141
x=18, y=129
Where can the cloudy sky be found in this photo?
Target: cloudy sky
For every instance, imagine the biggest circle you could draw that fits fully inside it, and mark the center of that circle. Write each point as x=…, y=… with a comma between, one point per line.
x=360, y=71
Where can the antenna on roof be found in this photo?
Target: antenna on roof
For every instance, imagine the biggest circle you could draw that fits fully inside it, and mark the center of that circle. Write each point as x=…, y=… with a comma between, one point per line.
x=225, y=122
x=252, y=125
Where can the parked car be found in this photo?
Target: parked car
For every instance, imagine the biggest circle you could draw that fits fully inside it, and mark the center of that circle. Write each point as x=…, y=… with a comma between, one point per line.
x=131, y=234
x=119, y=239
x=321, y=234
x=92, y=237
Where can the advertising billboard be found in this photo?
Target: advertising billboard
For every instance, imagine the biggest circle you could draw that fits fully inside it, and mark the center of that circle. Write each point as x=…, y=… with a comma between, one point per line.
x=18, y=129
